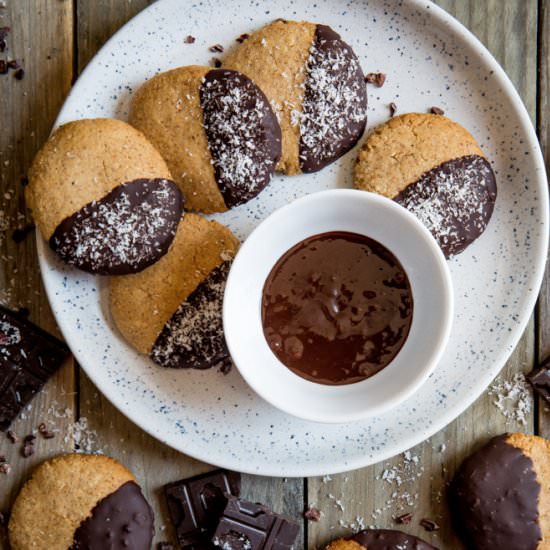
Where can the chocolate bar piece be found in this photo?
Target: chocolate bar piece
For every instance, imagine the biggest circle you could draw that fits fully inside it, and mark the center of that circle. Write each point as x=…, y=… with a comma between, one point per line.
x=248, y=526
x=540, y=380
x=28, y=357
x=195, y=505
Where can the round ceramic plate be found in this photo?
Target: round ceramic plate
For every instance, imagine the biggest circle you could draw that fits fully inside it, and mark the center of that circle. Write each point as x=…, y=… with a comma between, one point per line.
x=430, y=60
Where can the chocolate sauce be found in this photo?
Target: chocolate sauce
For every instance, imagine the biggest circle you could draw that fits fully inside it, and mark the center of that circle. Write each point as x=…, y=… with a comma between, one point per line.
x=337, y=308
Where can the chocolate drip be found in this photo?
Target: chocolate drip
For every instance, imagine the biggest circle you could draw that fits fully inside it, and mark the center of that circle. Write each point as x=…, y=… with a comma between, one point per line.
x=494, y=499
x=124, y=232
x=385, y=539
x=28, y=357
x=123, y=520
x=244, y=137
x=454, y=200
x=334, y=110
x=193, y=337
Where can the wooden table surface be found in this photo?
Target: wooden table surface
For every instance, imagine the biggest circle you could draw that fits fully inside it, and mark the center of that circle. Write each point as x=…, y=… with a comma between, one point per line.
x=55, y=39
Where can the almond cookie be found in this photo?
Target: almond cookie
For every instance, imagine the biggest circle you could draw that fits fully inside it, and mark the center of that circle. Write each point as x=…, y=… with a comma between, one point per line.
x=172, y=311
x=434, y=168
x=315, y=84
x=500, y=496
x=79, y=502
x=380, y=539
x=103, y=197
x=215, y=129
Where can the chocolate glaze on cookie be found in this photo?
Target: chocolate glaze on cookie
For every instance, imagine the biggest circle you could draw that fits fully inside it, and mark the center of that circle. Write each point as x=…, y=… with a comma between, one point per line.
x=244, y=137
x=386, y=539
x=494, y=499
x=120, y=521
x=124, y=232
x=455, y=201
x=193, y=337
x=334, y=110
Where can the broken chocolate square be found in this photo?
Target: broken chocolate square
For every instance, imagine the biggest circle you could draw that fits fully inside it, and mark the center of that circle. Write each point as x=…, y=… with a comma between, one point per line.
x=540, y=380
x=196, y=504
x=28, y=357
x=249, y=526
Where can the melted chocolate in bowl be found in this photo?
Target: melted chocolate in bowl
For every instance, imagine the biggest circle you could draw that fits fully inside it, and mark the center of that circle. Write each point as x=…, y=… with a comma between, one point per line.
x=337, y=308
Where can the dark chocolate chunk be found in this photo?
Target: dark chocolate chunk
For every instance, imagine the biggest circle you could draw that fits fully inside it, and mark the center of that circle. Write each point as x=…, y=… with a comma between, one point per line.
x=12, y=436
x=216, y=62
x=376, y=78
x=429, y=524
x=3, y=66
x=124, y=232
x=216, y=48
x=21, y=233
x=312, y=514
x=455, y=201
x=27, y=449
x=404, y=519
x=393, y=108
x=242, y=38
x=44, y=432
x=387, y=539
x=437, y=111
x=244, y=137
x=4, y=31
x=193, y=337
x=494, y=499
x=540, y=380
x=249, y=526
x=334, y=110
x=123, y=520
x=19, y=74
x=13, y=64
x=189, y=39
x=28, y=357
x=195, y=505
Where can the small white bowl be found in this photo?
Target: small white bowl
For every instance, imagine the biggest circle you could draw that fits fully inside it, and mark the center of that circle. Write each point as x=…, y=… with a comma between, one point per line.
x=358, y=212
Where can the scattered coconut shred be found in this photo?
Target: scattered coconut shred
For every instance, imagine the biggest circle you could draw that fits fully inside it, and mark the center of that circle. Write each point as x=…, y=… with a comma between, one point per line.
x=512, y=398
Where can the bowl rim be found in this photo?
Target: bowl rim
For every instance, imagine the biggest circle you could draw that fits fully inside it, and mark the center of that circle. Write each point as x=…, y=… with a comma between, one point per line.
x=437, y=349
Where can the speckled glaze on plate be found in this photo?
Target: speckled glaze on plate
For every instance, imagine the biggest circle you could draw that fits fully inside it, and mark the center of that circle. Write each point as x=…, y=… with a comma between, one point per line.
x=430, y=59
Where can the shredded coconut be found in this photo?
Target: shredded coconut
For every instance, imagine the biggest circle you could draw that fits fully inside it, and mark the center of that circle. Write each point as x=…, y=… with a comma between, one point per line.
x=512, y=398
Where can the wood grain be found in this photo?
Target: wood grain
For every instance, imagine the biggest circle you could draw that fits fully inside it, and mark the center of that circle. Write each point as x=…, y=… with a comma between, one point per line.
x=27, y=111
x=543, y=127
x=508, y=29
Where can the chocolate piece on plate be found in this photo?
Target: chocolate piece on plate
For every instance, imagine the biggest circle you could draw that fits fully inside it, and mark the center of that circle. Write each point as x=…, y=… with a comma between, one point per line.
x=195, y=504
x=28, y=357
x=540, y=380
x=249, y=526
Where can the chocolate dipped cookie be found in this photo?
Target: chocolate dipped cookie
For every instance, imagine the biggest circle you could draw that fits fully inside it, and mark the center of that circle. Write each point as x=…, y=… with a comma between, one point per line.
x=314, y=82
x=172, y=311
x=380, y=539
x=103, y=197
x=434, y=168
x=500, y=496
x=81, y=502
x=216, y=131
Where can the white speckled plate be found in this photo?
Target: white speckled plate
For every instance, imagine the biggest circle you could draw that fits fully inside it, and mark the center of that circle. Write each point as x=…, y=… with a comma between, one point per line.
x=430, y=60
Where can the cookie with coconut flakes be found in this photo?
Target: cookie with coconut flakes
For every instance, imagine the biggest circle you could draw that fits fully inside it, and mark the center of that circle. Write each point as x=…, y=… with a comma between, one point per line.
x=314, y=81
x=216, y=131
x=103, y=197
x=172, y=311
x=435, y=168
x=78, y=502
x=500, y=495
x=380, y=539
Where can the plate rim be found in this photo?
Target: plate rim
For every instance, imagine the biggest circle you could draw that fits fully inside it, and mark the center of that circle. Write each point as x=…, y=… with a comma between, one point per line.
x=447, y=416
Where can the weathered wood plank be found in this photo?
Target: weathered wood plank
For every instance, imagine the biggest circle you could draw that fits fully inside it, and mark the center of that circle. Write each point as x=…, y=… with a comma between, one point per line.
x=418, y=484
x=543, y=308
x=27, y=110
x=153, y=463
